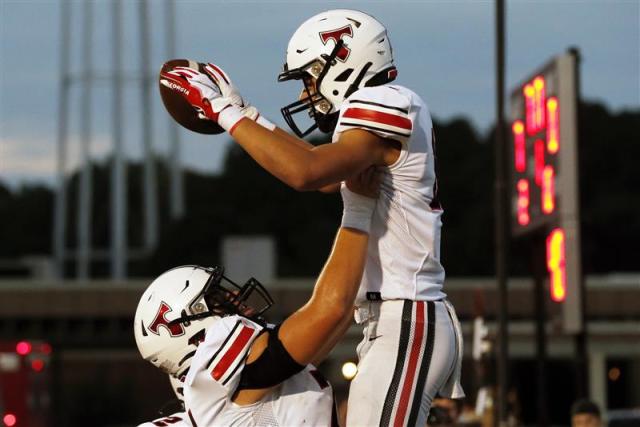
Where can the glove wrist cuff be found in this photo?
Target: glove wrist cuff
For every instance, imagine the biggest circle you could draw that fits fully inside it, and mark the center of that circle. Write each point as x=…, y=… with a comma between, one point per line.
x=229, y=117
x=265, y=123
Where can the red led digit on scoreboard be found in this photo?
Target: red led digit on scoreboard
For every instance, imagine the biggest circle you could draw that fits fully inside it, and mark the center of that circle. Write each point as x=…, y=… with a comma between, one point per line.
x=523, y=202
x=548, y=190
x=535, y=105
x=540, y=101
x=530, y=107
x=553, y=126
x=556, y=265
x=519, y=147
x=538, y=160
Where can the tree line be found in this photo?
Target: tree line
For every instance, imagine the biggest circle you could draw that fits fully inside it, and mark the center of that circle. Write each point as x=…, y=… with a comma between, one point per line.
x=245, y=200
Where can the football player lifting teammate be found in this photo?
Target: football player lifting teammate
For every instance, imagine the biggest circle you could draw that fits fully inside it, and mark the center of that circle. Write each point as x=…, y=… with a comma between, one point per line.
x=412, y=343
x=205, y=330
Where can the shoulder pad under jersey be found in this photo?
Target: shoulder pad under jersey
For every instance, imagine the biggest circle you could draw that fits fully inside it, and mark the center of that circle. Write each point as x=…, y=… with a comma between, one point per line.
x=382, y=110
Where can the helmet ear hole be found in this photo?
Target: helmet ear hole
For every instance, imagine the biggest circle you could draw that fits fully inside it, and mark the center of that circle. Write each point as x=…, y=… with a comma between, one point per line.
x=197, y=338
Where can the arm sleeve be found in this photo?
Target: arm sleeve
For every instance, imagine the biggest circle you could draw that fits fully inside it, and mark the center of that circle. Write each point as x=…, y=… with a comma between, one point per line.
x=272, y=367
x=220, y=358
x=381, y=110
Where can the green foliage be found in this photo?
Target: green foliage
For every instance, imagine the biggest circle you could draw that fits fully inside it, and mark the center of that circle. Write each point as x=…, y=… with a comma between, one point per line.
x=25, y=221
x=609, y=189
x=465, y=188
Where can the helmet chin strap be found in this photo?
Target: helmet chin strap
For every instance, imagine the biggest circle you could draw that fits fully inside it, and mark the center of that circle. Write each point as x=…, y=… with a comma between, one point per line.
x=330, y=60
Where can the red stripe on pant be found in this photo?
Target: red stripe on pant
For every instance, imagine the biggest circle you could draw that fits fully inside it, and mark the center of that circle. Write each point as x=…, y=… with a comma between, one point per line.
x=414, y=355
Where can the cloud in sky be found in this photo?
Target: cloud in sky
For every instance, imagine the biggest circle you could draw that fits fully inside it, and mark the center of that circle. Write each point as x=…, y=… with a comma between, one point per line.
x=444, y=50
x=32, y=158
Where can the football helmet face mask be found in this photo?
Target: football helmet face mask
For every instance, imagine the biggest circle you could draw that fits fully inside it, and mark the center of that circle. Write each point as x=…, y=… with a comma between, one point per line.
x=341, y=51
x=176, y=310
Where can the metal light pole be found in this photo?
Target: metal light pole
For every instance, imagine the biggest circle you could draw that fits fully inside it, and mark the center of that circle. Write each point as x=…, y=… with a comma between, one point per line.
x=118, y=170
x=60, y=212
x=502, y=220
x=150, y=176
x=85, y=200
x=175, y=160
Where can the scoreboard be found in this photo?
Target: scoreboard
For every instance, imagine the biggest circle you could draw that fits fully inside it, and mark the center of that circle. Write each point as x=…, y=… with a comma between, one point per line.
x=544, y=175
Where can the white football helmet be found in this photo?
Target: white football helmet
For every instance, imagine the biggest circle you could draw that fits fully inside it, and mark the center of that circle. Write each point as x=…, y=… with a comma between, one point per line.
x=343, y=50
x=176, y=310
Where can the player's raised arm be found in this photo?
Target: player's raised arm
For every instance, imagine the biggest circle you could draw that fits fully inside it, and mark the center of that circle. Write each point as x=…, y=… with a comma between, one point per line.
x=309, y=168
x=292, y=160
x=310, y=332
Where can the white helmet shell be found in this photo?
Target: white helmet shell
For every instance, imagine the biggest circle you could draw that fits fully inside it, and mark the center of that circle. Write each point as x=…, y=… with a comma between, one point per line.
x=177, y=292
x=176, y=310
x=365, y=53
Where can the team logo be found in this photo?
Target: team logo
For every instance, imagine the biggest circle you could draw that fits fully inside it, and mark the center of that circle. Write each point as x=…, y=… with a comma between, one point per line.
x=336, y=35
x=175, y=329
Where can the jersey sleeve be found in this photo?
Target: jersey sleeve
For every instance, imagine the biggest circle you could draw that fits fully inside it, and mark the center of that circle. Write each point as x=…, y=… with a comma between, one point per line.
x=220, y=358
x=382, y=110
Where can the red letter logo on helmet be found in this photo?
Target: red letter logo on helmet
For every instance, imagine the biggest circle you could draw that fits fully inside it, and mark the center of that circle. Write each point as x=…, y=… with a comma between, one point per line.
x=336, y=35
x=175, y=330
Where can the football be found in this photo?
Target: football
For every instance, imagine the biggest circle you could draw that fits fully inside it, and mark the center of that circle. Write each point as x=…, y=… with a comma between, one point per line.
x=178, y=107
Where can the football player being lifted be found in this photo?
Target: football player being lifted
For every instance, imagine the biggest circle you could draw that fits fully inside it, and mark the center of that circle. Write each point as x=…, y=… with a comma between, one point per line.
x=198, y=326
x=412, y=346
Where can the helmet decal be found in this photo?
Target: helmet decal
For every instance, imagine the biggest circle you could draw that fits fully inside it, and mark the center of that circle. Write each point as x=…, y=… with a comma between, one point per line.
x=336, y=35
x=175, y=329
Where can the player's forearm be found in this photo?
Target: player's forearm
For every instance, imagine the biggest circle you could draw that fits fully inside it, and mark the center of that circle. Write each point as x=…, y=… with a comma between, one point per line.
x=286, y=160
x=330, y=188
x=340, y=278
x=307, y=332
x=293, y=139
x=333, y=339
x=297, y=163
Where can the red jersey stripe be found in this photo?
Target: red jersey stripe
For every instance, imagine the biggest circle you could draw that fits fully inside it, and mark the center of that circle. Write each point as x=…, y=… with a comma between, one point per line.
x=412, y=366
x=234, y=350
x=378, y=117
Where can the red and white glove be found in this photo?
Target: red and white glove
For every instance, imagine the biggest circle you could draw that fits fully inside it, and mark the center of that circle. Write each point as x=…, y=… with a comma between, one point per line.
x=214, y=96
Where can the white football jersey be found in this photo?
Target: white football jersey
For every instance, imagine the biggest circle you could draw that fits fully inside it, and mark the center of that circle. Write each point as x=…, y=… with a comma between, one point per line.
x=303, y=399
x=179, y=419
x=403, y=260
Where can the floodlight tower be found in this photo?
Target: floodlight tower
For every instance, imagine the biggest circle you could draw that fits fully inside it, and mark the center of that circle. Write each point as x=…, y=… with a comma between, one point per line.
x=119, y=251
x=175, y=155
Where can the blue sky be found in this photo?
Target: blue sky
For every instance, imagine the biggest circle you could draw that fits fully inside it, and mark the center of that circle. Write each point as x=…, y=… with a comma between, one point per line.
x=443, y=49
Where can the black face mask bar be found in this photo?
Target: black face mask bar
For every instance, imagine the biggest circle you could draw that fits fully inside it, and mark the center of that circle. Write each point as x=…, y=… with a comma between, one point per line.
x=225, y=297
x=306, y=104
x=324, y=122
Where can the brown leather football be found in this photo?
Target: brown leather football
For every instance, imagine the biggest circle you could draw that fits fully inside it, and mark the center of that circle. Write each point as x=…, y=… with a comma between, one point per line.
x=178, y=107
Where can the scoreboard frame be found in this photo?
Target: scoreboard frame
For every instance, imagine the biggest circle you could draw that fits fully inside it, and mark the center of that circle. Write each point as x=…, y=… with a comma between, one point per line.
x=543, y=153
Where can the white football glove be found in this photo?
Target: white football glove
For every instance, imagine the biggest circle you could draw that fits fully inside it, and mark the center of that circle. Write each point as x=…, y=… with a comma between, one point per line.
x=216, y=98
